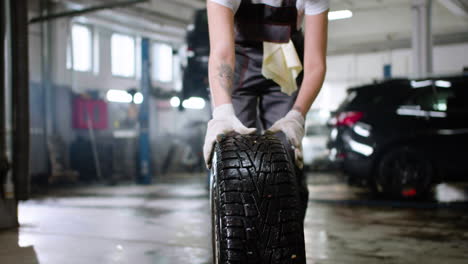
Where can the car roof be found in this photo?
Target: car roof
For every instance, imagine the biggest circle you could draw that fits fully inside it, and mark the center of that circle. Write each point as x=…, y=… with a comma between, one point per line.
x=381, y=84
x=404, y=83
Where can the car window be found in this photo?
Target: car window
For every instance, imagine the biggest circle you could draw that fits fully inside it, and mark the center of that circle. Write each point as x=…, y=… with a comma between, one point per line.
x=458, y=101
x=437, y=99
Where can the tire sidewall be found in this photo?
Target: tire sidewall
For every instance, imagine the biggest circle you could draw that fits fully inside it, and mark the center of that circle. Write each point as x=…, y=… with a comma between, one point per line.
x=214, y=203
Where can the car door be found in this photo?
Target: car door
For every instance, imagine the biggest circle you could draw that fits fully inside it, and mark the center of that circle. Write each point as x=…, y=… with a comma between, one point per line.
x=445, y=132
x=414, y=113
x=451, y=98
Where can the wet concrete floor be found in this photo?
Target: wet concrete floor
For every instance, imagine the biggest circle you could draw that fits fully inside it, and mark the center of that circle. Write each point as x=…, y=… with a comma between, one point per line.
x=169, y=222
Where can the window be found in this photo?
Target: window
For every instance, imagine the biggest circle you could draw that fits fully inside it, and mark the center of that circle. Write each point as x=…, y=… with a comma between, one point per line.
x=457, y=102
x=80, y=52
x=123, y=55
x=162, y=62
x=432, y=99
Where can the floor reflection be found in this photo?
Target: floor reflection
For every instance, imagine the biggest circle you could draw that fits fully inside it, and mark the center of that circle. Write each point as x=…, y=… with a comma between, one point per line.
x=447, y=193
x=169, y=222
x=332, y=189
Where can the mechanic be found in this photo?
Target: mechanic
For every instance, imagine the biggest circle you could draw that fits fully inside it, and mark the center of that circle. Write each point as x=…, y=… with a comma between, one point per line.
x=262, y=65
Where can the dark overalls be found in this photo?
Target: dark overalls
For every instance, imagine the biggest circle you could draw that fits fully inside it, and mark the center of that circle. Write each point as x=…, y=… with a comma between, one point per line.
x=259, y=102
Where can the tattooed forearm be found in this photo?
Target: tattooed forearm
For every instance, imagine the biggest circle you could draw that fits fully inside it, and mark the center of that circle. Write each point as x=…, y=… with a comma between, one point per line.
x=226, y=77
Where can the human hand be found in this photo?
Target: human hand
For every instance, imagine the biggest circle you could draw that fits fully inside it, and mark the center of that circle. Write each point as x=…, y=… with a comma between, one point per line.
x=224, y=121
x=292, y=125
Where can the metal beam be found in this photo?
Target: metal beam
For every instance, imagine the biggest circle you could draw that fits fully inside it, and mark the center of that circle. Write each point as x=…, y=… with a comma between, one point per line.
x=422, y=37
x=404, y=43
x=181, y=21
x=85, y=11
x=457, y=7
x=20, y=96
x=3, y=155
x=191, y=3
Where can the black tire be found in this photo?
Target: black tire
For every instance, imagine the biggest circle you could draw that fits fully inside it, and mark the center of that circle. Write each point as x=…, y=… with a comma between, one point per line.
x=256, y=215
x=405, y=173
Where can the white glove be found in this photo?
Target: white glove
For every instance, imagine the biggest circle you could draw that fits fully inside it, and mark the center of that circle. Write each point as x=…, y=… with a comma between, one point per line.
x=224, y=121
x=292, y=125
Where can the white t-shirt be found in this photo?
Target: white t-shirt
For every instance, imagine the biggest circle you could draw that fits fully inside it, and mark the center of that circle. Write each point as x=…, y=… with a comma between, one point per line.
x=310, y=7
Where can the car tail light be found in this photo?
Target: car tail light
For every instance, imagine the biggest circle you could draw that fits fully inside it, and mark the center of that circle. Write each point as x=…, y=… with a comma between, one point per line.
x=409, y=192
x=348, y=118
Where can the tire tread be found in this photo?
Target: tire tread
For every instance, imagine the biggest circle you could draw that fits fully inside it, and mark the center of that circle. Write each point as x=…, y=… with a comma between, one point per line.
x=258, y=202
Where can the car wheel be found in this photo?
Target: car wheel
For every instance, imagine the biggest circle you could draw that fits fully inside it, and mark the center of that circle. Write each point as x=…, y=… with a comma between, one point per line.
x=255, y=203
x=404, y=173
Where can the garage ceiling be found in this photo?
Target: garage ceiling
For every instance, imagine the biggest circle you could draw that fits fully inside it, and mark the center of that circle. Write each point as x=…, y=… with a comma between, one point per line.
x=375, y=25
x=387, y=24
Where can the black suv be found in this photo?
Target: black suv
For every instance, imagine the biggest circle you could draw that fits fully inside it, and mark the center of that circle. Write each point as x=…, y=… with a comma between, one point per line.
x=195, y=80
x=402, y=136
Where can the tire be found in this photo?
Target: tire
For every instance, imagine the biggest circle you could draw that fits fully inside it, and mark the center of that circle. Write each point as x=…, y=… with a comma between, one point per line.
x=255, y=203
x=404, y=173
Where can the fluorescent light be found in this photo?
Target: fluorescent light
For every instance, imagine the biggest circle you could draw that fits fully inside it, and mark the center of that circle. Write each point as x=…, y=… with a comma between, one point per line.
x=194, y=103
x=138, y=98
x=443, y=84
x=419, y=84
x=175, y=101
x=340, y=14
x=119, y=96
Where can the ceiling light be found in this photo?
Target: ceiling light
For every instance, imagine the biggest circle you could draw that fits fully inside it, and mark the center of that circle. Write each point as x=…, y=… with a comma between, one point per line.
x=175, y=101
x=340, y=14
x=138, y=98
x=194, y=103
x=119, y=96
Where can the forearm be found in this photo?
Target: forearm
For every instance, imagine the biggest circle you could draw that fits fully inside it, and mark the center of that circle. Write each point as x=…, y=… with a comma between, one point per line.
x=221, y=77
x=310, y=88
x=314, y=61
x=221, y=63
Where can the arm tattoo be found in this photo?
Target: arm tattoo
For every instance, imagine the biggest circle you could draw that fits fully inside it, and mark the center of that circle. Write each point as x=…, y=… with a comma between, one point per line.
x=226, y=77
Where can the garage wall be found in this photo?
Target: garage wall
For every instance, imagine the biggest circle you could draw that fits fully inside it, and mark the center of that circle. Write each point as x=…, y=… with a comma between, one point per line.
x=344, y=71
x=167, y=123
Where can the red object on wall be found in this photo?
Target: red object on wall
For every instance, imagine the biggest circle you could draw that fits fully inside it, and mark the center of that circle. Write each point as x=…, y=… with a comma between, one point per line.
x=94, y=110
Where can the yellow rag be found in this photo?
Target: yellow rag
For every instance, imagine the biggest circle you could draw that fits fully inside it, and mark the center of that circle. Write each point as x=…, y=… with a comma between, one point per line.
x=282, y=65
